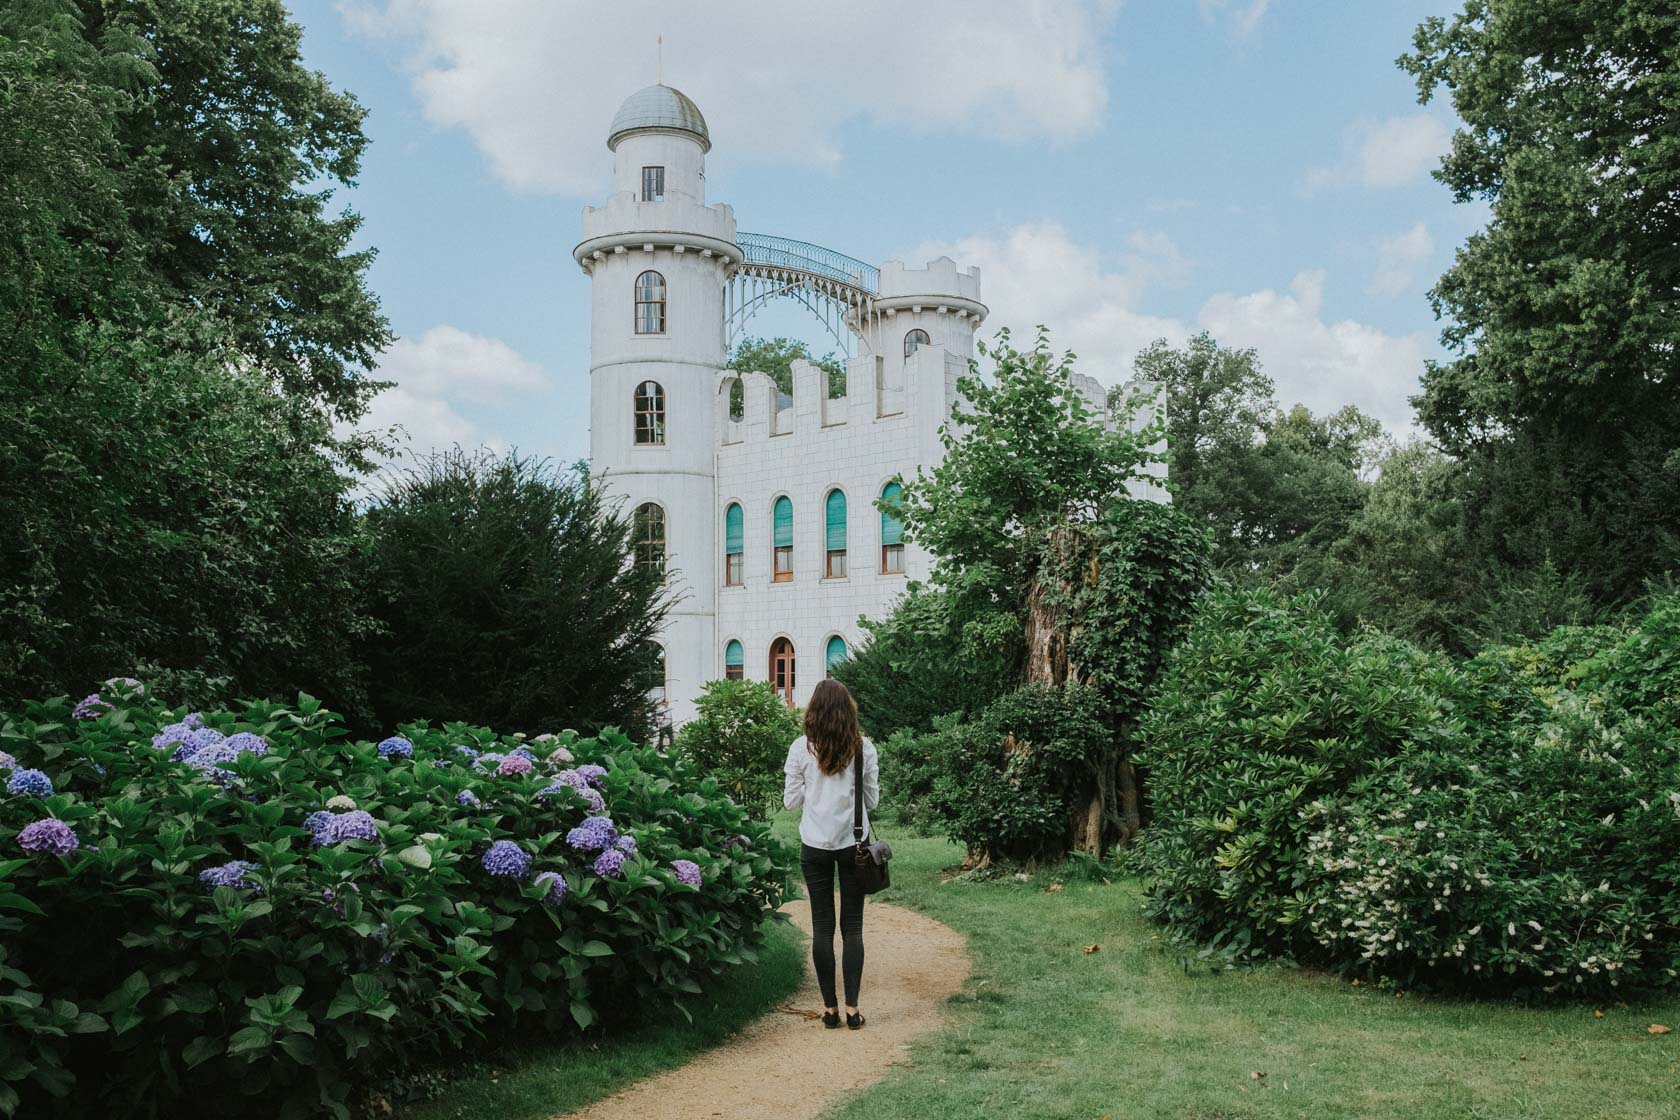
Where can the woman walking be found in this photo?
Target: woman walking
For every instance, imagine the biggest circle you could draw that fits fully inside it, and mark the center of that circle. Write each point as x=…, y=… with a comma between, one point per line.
x=819, y=777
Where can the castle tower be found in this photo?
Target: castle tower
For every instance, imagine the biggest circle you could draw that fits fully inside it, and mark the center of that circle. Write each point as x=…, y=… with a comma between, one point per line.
x=657, y=257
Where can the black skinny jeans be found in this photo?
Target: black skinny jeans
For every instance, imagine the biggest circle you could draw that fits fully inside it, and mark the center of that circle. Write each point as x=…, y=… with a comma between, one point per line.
x=819, y=866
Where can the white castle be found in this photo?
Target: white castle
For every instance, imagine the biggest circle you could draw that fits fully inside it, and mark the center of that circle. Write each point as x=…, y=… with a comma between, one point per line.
x=760, y=508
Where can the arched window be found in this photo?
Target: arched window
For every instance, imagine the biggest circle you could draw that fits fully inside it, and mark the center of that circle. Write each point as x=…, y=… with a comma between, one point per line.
x=834, y=534
x=650, y=303
x=892, y=531
x=648, y=534
x=781, y=668
x=733, y=545
x=915, y=340
x=781, y=526
x=737, y=399
x=650, y=413
x=834, y=654
x=734, y=661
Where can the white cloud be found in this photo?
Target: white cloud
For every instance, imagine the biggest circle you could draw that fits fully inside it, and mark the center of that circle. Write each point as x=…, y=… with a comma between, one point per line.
x=1038, y=273
x=1386, y=153
x=1398, y=258
x=438, y=371
x=534, y=82
x=1243, y=18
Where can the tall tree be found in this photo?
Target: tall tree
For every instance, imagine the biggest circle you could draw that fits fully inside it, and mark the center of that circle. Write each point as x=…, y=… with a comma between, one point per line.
x=1562, y=312
x=775, y=357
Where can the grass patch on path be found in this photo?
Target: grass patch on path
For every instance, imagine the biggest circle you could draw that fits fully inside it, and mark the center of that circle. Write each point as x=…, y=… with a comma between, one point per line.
x=545, y=1080
x=1047, y=1031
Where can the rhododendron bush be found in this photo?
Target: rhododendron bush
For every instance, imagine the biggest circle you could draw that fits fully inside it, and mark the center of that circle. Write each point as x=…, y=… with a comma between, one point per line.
x=245, y=913
x=1503, y=823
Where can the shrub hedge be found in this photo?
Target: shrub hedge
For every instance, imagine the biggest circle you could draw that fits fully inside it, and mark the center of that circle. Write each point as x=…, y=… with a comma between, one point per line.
x=247, y=913
x=1509, y=822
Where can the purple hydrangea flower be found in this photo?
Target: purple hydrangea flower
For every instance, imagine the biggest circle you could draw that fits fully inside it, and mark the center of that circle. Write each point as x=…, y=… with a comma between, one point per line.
x=610, y=864
x=195, y=741
x=514, y=765
x=557, y=888
x=686, y=871
x=595, y=834
x=244, y=742
x=597, y=803
x=626, y=844
x=53, y=836
x=396, y=746
x=230, y=874
x=357, y=824
x=6, y=761
x=508, y=859
x=91, y=707
x=317, y=821
x=592, y=773
x=171, y=734
x=30, y=782
x=208, y=762
x=468, y=798
x=487, y=761
x=523, y=752
x=469, y=752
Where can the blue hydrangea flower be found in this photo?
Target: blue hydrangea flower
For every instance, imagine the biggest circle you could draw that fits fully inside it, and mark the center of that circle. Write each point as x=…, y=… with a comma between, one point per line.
x=196, y=741
x=6, y=761
x=208, y=762
x=396, y=746
x=468, y=798
x=557, y=888
x=508, y=859
x=30, y=782
x=357, y=824
x=597, y=803
x=523, y=752
x=592, y=774
x=91, y=707
x=230, y=874
x=610, y=864
x=686, y=871
x=244, y=742
x=171, y=734
x=52, y=836
x=626, y=844
x=595, y=834
x=317, y=821
x=466, y=751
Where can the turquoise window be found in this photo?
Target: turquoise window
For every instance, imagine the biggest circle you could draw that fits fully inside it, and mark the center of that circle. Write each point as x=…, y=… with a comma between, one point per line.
x=733, y=655
x=834, y=514
x=733, y=532
x=892, y=529
x=782, y=521
x=836, y=653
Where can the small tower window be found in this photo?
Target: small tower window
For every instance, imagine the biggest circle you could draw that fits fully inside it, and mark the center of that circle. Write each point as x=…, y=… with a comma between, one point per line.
x=733, y=545
x=781, y=668
x=834, y=654
x=648, y=534
x=734, y=661
x=653, y=184
x=650, y=303
x=834, y=534
x=650, y=413
x=782, y=540
x=915, y=340
x=892, y=532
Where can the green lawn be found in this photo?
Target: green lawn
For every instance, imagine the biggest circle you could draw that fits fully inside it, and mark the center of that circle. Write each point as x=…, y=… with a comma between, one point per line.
x=548, y=1079
x=1046, y=1030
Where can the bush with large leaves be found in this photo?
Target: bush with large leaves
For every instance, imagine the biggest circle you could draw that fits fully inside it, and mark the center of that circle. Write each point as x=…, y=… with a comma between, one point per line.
x=394, y=902
x=740, y=736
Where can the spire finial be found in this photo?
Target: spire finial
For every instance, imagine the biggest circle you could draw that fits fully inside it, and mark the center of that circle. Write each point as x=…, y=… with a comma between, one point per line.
x=660, y=66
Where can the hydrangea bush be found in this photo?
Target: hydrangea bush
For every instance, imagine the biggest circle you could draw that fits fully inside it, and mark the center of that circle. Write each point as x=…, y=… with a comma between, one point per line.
x=249, y=912
x=1509, y=822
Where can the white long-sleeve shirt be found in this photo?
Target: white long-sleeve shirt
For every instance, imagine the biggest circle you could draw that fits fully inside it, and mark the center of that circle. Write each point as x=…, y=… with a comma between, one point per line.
x=827, y=798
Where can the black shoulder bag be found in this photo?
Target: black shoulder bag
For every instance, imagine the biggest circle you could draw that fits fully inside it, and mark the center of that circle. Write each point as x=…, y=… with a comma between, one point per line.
x=872, y=858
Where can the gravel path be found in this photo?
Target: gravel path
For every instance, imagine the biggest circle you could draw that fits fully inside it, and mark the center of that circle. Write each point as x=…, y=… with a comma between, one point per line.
x=912, y=965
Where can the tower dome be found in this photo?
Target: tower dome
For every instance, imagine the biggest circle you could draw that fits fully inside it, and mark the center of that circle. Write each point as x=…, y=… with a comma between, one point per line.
x=659, y=107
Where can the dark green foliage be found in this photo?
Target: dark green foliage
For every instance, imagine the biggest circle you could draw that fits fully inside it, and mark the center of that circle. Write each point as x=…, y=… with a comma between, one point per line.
x=128, y=988
x=914, y=667
x=1561, y=397
x=502, y=595
x=740, y=738
x=1505, y=822
x=774, y=357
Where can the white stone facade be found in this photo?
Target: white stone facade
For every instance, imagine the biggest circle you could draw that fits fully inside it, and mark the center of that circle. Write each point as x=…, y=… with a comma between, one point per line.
x=705, y=458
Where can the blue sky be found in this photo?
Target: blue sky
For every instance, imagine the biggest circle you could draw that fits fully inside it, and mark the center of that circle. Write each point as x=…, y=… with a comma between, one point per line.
x=1120, y=171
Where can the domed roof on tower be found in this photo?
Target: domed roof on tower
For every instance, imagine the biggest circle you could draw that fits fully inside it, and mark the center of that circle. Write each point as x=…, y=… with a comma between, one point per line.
x=659, y=107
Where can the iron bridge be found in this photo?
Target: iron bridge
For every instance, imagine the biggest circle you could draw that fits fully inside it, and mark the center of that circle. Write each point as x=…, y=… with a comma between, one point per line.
x=839, y=290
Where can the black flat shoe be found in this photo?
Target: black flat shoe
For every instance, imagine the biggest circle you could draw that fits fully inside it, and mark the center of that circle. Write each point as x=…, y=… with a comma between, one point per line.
x=854, y=1022
x=831, y=1019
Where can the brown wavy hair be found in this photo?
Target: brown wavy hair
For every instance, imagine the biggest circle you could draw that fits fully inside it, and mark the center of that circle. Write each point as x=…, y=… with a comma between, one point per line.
x=831, y=727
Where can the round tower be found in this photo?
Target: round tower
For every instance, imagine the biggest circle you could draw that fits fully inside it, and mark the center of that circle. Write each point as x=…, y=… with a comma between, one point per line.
x=657, y=257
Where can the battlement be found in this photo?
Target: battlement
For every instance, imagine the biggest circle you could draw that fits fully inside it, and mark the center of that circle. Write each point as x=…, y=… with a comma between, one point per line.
x=941, y=277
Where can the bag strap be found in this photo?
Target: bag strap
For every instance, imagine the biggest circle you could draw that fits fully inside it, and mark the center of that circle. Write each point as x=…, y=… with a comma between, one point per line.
x=857, y=797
